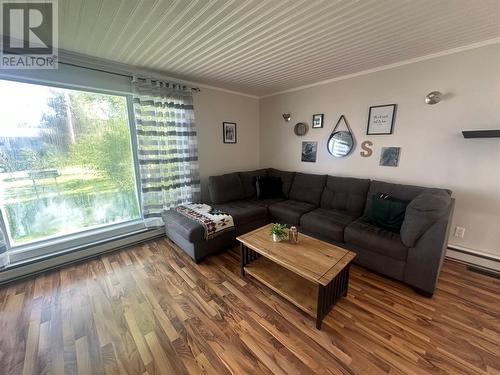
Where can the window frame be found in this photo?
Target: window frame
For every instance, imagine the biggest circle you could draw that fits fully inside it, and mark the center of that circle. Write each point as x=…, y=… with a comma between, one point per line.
x=86, y=237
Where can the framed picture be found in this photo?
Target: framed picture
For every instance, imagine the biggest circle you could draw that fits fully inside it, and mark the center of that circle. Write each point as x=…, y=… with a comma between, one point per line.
x=309, y=151
x=318, y=120
x=229, y=132
x=389, y=157
x=381, y=119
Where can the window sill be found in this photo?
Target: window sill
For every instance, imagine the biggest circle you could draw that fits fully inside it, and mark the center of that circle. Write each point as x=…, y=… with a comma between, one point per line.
x=29, y=251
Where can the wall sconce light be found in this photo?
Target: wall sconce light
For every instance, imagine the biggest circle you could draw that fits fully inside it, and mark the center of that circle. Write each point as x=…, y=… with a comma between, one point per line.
x=433, y=97
x=287, y=117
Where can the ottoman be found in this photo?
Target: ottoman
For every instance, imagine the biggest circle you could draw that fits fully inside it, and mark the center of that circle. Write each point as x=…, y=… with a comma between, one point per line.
x=189, y=235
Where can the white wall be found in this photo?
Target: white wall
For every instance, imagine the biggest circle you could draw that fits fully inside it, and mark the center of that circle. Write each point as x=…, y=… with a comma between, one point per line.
x=212, y=107
x=434, y=153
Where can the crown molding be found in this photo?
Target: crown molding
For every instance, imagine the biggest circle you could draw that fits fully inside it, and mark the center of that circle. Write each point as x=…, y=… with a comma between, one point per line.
x=390, y=66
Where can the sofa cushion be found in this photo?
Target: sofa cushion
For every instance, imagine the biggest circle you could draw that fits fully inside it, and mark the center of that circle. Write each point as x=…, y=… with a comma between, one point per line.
x=266, y=202
x=290, y=211
x=346, y=194
x=225, y=188
x=243, y=212
x=248, y=180
x=307, y=188
x=286, y=178
x=370, y=237
x=422, y=212
x=327, y=224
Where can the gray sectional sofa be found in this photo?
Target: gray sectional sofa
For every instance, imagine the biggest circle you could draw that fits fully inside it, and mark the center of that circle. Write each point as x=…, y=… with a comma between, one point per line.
x=335, y=210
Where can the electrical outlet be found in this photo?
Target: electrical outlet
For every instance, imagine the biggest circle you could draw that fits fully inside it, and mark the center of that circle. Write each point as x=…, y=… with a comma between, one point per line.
x=459, y=232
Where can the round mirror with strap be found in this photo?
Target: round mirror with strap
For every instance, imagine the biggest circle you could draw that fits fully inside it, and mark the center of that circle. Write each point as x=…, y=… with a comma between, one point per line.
x=341, y=142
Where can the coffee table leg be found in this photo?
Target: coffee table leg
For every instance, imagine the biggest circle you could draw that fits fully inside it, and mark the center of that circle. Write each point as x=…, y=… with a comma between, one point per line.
x=247, y=256
x=243, y=253
x=321, y=306
x=346, y=281
x=330, y=293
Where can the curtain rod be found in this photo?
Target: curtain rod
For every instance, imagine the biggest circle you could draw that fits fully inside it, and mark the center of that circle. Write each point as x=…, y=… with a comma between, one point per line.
x=195, y=89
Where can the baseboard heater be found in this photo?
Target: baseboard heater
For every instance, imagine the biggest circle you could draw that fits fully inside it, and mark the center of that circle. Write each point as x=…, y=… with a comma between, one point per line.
x=475, y=261
x=484, y=271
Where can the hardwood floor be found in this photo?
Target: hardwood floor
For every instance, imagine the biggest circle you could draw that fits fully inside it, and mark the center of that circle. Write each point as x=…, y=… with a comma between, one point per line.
x=150, y=309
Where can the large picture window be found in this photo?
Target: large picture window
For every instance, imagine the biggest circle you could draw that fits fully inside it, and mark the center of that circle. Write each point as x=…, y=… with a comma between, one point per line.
x=66, y=162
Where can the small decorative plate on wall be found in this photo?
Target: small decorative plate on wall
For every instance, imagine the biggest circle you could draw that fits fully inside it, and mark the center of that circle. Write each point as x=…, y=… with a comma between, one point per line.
x=300, y=129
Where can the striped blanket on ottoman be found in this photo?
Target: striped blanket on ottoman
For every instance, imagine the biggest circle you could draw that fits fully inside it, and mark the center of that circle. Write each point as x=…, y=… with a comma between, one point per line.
x=213, y=220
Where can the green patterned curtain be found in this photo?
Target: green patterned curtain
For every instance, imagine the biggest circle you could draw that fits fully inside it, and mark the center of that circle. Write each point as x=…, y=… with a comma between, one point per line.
x=167, y=147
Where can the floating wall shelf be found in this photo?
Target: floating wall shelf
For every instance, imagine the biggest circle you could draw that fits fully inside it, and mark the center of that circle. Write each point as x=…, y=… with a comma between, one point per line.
x=481, y=133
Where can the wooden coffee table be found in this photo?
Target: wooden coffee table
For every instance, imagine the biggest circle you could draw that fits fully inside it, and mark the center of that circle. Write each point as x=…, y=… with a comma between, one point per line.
x=312, y=274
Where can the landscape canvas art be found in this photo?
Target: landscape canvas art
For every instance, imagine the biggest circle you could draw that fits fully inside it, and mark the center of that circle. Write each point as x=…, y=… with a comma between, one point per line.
x=389, y=157
x=309, y=151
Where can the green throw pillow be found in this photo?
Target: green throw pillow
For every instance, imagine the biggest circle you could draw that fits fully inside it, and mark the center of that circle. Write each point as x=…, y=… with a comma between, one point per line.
x=387, y=212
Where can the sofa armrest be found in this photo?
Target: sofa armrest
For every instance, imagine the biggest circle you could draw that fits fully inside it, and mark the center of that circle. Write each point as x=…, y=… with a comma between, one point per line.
x=423, y=211
x=426, y=257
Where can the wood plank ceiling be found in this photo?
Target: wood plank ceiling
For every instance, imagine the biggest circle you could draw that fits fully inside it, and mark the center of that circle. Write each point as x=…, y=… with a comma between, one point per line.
x=265, y=46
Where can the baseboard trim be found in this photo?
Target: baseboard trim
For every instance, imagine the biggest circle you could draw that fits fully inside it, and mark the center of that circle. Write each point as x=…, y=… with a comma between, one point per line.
x=35, y=267
x=476, y=253
x=474, y=258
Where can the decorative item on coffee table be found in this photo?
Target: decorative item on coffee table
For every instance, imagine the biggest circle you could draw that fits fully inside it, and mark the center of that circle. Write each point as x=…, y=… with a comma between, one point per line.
x=293, y=235
x=278, y=232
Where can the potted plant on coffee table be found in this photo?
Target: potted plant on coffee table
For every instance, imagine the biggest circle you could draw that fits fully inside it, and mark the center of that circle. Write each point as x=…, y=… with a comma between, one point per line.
x=278, y=232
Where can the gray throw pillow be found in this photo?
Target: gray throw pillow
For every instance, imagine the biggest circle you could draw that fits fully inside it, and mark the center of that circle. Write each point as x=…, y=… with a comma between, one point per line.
x=423, y=211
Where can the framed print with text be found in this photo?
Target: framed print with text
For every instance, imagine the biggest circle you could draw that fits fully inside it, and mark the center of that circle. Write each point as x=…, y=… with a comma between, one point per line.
x=381, y=119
